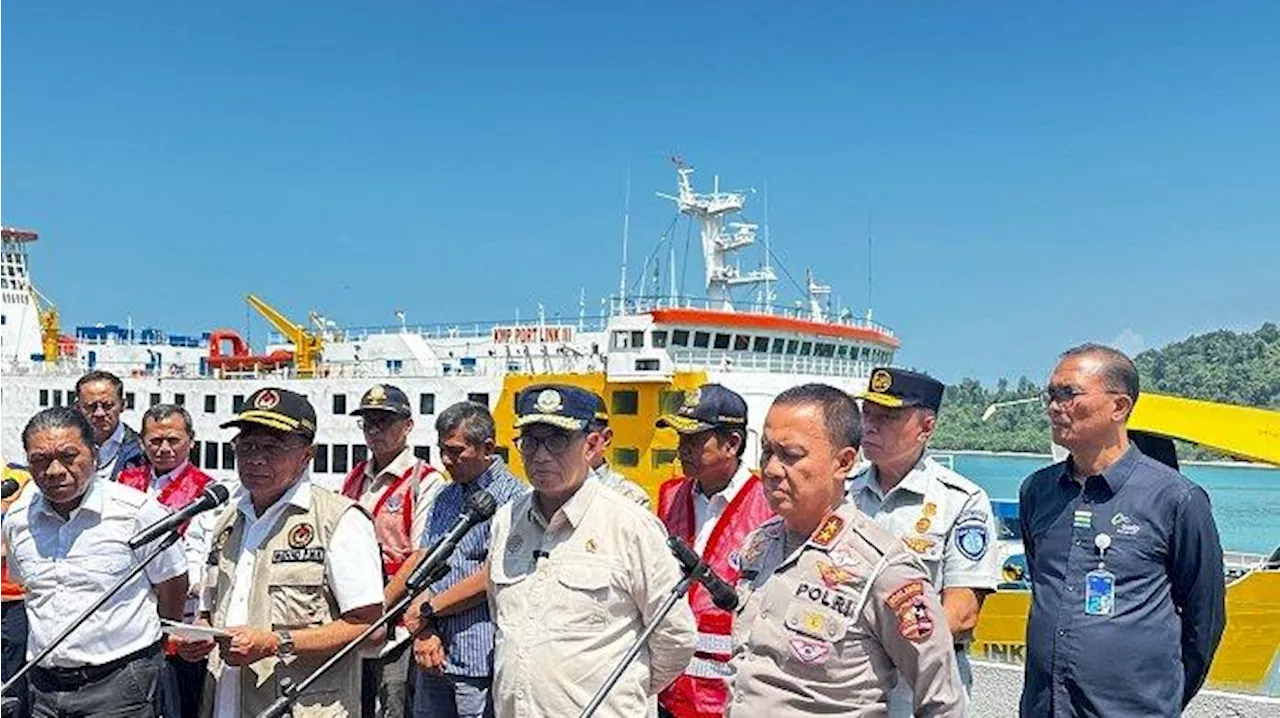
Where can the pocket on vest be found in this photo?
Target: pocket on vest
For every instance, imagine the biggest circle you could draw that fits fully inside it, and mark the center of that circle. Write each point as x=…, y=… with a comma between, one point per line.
x=300, y=602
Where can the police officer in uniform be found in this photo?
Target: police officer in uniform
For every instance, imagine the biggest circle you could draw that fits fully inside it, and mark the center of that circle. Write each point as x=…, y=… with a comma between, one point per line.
x=941, y=516
x=831, y=606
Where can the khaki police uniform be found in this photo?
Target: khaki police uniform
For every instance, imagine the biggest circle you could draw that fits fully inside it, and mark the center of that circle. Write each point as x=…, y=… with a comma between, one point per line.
x=824, y=629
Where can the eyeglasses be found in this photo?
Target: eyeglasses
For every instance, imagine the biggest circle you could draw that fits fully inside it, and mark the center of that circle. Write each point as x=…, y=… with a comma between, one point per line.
x=106, y=406
x=1065, y=395
x=376, y=426
x=272, y=449
x=556, y=443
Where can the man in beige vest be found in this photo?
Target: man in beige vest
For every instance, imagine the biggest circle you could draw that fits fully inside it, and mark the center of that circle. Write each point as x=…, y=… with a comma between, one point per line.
x=294, y=575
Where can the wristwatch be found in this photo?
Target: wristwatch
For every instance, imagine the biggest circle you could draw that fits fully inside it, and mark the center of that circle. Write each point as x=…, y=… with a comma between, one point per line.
x=284, y=644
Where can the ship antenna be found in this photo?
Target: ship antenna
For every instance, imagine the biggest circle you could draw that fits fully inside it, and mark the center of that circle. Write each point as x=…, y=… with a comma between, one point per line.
x=768, y=254
x=626, y=235
x=868, y=264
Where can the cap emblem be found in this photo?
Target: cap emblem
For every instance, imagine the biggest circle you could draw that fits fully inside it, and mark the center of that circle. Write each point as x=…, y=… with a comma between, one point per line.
x=376, y=396
x=267, y=400
x=549, y=401
x=691, y=401
x=881, y=380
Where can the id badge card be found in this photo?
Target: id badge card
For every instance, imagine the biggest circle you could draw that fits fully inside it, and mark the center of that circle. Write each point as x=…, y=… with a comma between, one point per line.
x=1099, y=593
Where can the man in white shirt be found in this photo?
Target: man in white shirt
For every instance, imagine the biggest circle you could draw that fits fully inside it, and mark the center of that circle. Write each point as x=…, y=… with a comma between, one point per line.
x=294, y=575
x=69, y=546
x=100, y=397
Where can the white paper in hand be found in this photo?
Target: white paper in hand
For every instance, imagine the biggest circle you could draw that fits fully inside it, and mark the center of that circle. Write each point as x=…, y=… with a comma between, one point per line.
x=191, y=632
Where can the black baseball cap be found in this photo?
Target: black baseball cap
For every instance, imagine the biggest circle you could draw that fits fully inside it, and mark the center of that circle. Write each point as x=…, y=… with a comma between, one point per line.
x=385, y=398
x=280, y=409
x=708, y=407
x=896, y=388
x=560, y=405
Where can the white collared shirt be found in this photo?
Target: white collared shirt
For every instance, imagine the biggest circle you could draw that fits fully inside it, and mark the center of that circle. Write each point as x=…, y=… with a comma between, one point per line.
x=353, y=571
x=109, y=452
x=707, y=510
x=67, y=565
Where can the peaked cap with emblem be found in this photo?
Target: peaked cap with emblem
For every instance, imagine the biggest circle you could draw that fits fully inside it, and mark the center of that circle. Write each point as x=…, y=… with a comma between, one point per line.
x=560, y=405
x=896, y=388
x=384, y=398
x=708, y=407
x=601, y=419
x=279, y=409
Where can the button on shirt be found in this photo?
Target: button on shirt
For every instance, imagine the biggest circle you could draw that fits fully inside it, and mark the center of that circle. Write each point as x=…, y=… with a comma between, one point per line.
x=1168, y=613
x=468, y=634
x=67, y=565
x=707, y=510
x=351, y=572
x=373, y=487
x=942, y=517
x=570, y=595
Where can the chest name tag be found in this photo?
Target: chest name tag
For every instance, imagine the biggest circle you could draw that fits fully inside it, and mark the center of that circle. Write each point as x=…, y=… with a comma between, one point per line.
x=298, y=555
x=1099, y=593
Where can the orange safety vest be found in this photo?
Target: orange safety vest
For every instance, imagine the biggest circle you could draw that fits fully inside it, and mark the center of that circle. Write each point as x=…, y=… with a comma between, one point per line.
x=393, y=514
x=703, y=690
x=11, y=590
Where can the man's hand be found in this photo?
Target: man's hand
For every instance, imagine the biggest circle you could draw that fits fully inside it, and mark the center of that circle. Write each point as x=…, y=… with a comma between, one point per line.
x=192, y=649
x=428, y=653
x=412, y=618
x=247, y=645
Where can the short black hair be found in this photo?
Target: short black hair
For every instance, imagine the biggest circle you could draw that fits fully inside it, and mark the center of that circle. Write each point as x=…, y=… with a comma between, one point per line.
x=160, y=412
x=58, y=417
x=1118, y=371
x=474, y=418
x=840, y=414
x=99, y=375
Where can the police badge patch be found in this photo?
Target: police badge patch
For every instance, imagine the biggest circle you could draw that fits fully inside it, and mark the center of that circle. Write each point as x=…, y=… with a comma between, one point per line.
x=972, y=539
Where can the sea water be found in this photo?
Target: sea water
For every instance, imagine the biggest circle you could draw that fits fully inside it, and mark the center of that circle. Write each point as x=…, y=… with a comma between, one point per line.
x=1246, y=500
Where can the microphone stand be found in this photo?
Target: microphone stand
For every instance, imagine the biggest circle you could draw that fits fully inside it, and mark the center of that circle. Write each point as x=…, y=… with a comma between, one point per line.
x=677, y=594
x=416, y=584
x=166, y=543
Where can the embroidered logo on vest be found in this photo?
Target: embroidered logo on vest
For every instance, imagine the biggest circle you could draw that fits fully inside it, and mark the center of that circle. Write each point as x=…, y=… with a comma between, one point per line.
x=301, y=536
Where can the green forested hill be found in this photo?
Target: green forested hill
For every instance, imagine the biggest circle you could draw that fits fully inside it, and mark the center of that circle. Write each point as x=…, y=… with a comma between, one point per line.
x=1239, y=368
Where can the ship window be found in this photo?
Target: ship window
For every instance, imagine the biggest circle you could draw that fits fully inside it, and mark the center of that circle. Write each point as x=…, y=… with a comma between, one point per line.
x=701, y=340
x=824, y=350
x=340, y=458
x=680, y=337
x=320, y=464
x=626, y=403
x=210, y=403
x=4, y=319
x=155, y=399
x=663, y=457
x=669, y=402
x=622, y=340
x=843, y=351
x=626, y=456
x=359, y=453
x=237, y=403
x=129, y=400
x=194, y=455
x=779, y=345
x=760, y=345
x=722, y=341
x=660, y=339
x=426, y=404
x=741, y=342
x=793, y=346
x=637, y=340
x=339, y=407
x=228, y=456
x=647, y=364
x=57, y=397
x=44, y=397
x=806, y=349
x=210, y=454
x=180, y=399
x=480, y=398
x=395, y=366
x=422, y=452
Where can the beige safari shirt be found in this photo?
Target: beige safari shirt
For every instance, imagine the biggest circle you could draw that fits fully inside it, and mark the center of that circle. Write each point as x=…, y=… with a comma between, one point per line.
x=942, y=517
x=824, y=630
x=571, y=594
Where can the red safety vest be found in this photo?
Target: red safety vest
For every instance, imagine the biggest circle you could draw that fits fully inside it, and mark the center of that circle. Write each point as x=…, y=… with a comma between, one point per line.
x=703, y=690
x=393, y=514
x=180, y=491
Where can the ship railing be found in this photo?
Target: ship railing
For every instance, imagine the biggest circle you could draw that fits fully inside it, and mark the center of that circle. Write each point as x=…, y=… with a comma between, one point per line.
x=478, y=330
x=719, y=360
x=645, y=303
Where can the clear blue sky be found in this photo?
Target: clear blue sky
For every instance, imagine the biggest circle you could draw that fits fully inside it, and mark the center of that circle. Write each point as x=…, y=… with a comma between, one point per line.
x=1036, y=174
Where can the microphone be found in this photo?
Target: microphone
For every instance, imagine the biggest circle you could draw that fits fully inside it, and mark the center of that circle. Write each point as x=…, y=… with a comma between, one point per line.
x=479, y=508
x=722, y=594
x=213, y=497
x=9, y=488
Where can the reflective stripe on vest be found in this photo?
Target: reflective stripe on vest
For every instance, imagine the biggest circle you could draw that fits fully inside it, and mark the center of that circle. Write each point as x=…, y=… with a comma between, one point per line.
x=700, y=667
x=714, y=643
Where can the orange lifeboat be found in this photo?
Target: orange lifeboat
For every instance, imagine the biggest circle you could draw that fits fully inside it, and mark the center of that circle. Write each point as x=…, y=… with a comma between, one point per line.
x=239, y=358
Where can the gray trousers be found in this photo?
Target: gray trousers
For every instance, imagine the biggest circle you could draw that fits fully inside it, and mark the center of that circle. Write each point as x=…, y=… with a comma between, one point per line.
x=131, y=690
x=902, y=698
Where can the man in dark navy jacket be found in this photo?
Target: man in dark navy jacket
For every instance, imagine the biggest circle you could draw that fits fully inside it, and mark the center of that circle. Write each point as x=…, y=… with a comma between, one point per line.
x=1128, y=592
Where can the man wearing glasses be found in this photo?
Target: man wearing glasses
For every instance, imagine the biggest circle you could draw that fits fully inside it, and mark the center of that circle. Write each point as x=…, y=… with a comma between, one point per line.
x=100, y=397
x=396, y=488
x=294, y=575
x=1124, y=559
x=942, y=517
x=576, y=572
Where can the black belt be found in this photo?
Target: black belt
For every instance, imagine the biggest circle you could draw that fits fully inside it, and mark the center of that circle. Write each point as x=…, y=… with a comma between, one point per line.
x=70, y=678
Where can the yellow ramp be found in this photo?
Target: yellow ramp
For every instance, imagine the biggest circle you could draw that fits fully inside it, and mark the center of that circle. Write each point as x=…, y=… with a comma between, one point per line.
x=1243, y=431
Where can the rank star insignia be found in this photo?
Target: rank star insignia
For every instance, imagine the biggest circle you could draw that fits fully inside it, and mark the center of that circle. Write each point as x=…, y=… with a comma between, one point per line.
x=301, y=536
x=881, y=380
x=549, y=401
x=828, y=531
x=930, y=510
x=809, y=651
x=923, y=525
x=835, y=576
x=590, y=545
x=267, y=400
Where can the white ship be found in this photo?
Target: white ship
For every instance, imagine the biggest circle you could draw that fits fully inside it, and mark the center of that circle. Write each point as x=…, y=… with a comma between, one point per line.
x=641, y=356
